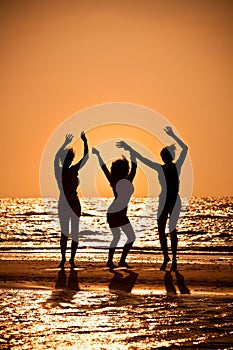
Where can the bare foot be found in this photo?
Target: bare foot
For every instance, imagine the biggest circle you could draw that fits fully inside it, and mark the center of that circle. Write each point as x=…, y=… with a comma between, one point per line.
x=164, y=264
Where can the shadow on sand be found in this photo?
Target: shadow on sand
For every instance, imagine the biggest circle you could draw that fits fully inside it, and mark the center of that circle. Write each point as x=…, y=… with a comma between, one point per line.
x=123, y=281
x=170, y=287
x=65, y=289
x=71, y=284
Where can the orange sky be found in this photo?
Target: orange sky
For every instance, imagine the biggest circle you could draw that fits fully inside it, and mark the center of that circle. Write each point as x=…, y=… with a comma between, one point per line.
x=174, y=56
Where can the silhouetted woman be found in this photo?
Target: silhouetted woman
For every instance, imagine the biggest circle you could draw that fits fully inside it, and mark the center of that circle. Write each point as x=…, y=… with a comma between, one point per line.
x=69, y=208
x=120, y=180
x=169, y=199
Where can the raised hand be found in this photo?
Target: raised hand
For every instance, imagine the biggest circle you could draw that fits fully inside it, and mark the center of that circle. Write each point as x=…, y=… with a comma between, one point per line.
x=95, y=151
x=124, y=145
x=83, y=136
x=172, y=147
x=68, y=139
x=168, y=130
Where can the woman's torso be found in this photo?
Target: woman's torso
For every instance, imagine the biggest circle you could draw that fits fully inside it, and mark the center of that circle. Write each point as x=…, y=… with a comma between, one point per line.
x=70, y=182
x=169, y=181
x=123, y=190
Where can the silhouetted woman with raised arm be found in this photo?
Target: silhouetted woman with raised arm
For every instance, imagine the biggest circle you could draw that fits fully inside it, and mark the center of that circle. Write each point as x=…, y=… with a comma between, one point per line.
x=120, y=180
x=69, y=208
x=169, y=199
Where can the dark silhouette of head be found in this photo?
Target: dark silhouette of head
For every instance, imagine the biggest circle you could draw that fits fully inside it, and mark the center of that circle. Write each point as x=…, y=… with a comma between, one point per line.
x=120, y=168
x=168, y=154
x=69, y=157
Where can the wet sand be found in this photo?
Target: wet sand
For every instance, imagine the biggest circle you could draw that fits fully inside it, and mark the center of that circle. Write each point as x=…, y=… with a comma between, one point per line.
x=198, y=276
x=91, y=307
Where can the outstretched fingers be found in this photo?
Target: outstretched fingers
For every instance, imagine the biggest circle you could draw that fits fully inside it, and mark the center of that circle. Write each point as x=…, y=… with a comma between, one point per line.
x=168, y=130
x=69, y=138
x=122, y=144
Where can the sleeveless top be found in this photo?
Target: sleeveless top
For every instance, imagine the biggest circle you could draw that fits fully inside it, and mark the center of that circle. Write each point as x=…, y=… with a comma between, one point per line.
x=169, y=181
x=70, y=182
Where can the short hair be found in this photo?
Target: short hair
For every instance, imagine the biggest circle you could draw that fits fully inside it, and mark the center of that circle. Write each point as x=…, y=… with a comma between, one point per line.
x=167, y=154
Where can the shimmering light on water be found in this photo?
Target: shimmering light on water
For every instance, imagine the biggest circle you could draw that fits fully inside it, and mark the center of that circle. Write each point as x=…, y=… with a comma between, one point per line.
x=33, y=223
x=67, y=319
x=102, y=319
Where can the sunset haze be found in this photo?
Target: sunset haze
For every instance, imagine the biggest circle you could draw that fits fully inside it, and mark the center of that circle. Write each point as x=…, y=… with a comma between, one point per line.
x=60, y=57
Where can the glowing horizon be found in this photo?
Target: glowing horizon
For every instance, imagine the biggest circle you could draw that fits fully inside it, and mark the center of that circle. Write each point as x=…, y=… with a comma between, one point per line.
x=174, y=57
x=143, y=129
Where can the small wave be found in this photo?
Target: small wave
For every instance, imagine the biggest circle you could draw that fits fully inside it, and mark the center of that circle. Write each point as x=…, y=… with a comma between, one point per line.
x=30, y=213
x=225, y=250
x=89, y=233
x=210, y=216
x=225, y=234
x=192, y=232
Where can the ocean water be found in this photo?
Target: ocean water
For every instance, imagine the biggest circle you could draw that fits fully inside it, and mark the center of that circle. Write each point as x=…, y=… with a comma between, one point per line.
x=68, y=318
x=31, y=225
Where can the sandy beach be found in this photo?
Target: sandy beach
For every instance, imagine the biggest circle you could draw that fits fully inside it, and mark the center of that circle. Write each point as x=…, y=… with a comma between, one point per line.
x=90, y=307
x=202, y=274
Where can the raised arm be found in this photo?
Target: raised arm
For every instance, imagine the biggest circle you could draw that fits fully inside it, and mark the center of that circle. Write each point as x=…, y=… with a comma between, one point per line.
x=133, y=170
x=85, y=157
x=144, y=160
x=60, y=154
x=184, y=147
x=102, y=164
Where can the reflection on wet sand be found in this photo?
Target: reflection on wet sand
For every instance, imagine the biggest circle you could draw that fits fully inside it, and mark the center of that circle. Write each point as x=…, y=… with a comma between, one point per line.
x=170, y=287
x=181, y=283
x=64, y=291
x=122, y=283
x=72, y=280
x=69, y=318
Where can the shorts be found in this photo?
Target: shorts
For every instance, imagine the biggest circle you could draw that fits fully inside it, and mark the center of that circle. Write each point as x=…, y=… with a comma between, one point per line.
x=118, y=219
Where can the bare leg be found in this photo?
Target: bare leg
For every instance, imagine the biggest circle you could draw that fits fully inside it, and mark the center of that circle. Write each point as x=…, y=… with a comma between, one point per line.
x=162, y=237
x=74, y=234
x=172, y=229
x=174, y=243
x=116, y=237
x=64, y=219
x=74, y=246
x=63, y=245
x=128, y=230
